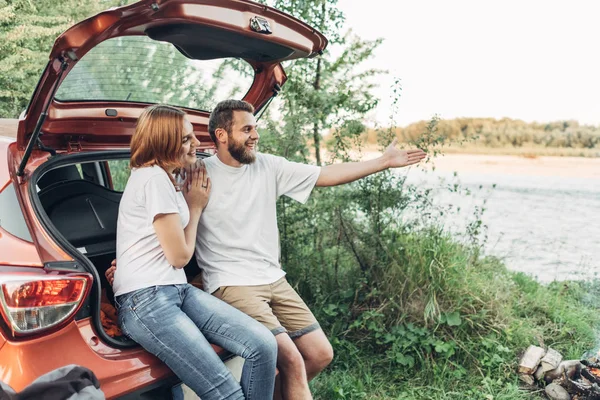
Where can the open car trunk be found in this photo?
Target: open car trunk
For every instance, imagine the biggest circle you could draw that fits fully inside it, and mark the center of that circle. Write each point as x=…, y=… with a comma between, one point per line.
x=102, y=73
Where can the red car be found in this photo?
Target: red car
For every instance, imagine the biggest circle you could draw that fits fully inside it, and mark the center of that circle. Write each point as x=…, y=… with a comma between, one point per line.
x=63, y=170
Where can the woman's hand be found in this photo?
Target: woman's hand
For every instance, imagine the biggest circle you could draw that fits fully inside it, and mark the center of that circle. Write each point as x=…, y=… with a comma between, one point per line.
x=178, y=244
x=196, y=188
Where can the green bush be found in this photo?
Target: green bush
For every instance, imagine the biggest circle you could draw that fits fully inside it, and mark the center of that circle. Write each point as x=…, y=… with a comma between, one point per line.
x=414, y=312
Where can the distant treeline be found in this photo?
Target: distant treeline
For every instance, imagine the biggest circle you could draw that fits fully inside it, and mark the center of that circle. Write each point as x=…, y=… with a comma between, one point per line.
x=493, y=133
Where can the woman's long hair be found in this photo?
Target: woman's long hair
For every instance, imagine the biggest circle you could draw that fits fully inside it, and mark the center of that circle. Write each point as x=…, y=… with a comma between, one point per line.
x=157, y=139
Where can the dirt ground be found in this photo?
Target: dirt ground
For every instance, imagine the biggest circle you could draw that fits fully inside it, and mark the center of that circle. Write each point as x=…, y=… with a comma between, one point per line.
x=582, y=167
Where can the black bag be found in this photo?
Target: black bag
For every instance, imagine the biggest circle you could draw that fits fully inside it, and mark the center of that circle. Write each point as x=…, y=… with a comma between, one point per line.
x=72, y=382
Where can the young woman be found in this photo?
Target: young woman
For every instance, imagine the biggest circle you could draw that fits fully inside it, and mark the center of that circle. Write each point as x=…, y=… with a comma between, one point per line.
x=156, y=233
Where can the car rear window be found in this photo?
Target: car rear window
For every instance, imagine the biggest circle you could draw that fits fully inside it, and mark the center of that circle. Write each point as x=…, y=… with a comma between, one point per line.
x=139, y=69
x=119, y=173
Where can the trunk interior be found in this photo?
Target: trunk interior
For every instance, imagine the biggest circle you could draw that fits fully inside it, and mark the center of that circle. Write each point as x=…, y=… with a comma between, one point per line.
x=77, y=198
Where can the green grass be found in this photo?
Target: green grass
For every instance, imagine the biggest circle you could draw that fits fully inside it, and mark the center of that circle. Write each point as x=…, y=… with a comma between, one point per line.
x=439, y=321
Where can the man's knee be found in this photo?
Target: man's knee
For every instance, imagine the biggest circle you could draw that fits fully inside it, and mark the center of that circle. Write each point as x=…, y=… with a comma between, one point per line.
x=291, y=360
x=316, y=350
x=326, y=355
x=288, y=357
x=321, y=357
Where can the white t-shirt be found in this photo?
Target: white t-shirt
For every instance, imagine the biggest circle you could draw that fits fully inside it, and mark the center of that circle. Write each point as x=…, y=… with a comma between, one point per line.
x=238, y=242
x=141, y=261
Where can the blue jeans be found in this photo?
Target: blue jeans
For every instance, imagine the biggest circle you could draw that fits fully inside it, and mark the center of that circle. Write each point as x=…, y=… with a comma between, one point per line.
x=176, y=323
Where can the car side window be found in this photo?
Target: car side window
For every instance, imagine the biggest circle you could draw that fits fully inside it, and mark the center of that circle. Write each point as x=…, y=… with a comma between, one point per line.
x=119, y=173
x=11, y=216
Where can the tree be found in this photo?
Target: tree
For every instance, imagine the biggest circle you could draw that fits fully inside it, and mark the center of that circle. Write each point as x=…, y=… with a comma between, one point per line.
x=150, y=71
x=329, y=92
x=28, y=29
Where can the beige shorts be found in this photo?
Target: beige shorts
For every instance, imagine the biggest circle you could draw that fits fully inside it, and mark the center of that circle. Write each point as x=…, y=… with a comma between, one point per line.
x=277, y=306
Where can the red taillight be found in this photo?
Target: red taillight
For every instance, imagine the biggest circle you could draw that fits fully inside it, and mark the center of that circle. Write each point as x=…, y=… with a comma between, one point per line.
x=30, y=305
x=43, y=293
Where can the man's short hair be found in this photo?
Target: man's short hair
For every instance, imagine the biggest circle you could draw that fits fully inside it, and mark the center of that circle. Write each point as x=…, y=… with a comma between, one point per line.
x=222, y=115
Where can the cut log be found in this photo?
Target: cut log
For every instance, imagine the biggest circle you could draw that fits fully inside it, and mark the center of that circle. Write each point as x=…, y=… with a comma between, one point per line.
x=530, y=360
x=590, y=364
x=571, y=368
x=589, y=376
x=527, y=379
x=539, y=374
x=578, y=387
x=551, y=360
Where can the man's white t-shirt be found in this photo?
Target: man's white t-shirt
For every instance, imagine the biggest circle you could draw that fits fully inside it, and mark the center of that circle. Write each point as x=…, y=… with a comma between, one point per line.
x=140, y=258
x=238, y=241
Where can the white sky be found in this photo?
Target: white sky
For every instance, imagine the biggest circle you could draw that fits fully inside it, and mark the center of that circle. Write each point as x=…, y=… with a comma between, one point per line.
x=535, y=60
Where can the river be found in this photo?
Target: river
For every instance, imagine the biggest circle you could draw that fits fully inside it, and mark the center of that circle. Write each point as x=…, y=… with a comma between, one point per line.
x=542, y=217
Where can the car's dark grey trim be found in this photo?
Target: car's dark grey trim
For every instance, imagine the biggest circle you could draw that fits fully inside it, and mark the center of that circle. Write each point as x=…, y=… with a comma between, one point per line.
x=93, y=302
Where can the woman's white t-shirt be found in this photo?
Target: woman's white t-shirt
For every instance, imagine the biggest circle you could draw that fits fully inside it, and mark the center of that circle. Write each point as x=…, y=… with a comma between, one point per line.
x=141, y=261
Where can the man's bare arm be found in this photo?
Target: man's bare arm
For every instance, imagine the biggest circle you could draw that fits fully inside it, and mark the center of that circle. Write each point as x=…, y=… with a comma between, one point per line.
x=338, y=174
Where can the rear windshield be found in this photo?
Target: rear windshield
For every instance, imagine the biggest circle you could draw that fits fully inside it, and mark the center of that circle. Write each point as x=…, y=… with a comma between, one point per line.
x=139, y=69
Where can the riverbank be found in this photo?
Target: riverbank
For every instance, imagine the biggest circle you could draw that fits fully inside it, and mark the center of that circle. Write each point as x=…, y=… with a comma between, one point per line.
x=575, y=167
x=524, y=166
x=524, y=151
x=539, y=212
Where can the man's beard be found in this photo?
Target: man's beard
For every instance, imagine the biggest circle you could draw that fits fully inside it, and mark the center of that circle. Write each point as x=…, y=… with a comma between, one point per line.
x=240, y=153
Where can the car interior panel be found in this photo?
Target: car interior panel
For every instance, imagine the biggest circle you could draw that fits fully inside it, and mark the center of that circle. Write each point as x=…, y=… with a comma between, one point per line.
x=207, y=43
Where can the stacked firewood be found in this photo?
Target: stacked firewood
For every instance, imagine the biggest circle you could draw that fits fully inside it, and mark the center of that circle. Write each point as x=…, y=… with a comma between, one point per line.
x=562, y=380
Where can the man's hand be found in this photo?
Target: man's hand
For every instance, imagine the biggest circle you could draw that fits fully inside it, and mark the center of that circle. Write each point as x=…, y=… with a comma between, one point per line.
x=396, y=158
x=110, y=273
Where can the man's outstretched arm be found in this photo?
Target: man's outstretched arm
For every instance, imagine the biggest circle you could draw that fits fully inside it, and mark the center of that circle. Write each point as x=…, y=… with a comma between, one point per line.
x=338, y=174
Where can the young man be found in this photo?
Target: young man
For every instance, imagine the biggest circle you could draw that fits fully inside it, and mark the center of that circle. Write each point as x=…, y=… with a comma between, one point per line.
x=237, y=245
